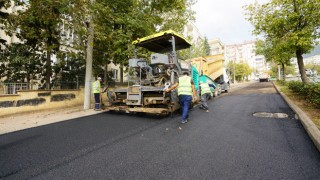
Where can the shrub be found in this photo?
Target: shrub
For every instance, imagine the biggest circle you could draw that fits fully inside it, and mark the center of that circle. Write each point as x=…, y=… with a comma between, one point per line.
x=310, y=91
x=296, y=87
x=314, y=93
x=282, y=83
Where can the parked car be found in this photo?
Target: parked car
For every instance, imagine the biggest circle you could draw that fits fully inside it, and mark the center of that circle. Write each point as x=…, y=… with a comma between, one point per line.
x=309, y=72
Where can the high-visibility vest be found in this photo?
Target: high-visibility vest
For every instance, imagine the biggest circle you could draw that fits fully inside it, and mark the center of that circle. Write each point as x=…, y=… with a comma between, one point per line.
x=96, y=86
x=205, y=88
x=184, y=87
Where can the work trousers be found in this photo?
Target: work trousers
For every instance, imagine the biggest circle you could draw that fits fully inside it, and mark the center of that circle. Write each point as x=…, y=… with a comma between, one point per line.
x=204, y=98
x=185, y=103
x=97, y=101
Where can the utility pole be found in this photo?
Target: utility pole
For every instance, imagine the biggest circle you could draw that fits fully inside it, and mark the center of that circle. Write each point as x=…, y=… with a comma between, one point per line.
x=87, y=89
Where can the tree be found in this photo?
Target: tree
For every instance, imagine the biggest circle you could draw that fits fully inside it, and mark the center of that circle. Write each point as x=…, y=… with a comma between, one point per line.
x=40, y=27
x=206, y=46
x=199, y=49
x=20, y=63
x=275, y=51
x=69, y=70
x=118, y=23
x=243, y=70
x=239, y=70
x=294, y=22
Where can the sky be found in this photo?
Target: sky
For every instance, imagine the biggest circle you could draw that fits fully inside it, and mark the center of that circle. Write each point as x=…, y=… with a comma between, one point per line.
x=224, y=19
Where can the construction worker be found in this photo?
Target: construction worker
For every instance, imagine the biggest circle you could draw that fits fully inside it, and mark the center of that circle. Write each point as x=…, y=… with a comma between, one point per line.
x=96, y=88
x=205, y=93
x=185, y=90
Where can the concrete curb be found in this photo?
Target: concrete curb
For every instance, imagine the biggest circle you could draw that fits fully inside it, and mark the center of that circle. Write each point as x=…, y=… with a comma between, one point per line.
x=309, y=126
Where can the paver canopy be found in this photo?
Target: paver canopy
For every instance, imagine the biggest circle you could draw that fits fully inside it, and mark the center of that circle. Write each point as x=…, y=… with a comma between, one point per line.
x=161, y=42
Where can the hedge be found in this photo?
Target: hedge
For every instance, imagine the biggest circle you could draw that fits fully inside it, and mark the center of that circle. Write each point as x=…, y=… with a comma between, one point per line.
x=310, y=91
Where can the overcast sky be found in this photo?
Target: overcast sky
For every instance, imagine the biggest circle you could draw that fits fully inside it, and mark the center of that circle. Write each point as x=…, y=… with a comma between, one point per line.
x=224, y=19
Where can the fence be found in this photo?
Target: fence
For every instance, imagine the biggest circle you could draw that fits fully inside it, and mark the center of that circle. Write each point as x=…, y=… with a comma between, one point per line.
x=12, y=88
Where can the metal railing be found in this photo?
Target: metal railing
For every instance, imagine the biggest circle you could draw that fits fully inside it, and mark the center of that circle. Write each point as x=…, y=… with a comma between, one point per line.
x=12, y=88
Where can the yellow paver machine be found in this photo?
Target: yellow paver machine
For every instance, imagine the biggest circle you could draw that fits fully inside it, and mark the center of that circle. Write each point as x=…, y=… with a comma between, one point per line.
x=147, y=81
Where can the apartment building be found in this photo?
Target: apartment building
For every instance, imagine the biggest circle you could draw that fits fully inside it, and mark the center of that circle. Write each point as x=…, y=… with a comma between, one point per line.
x=191, y=31
x=245, y=53
x=216, y=46
x=11, y=10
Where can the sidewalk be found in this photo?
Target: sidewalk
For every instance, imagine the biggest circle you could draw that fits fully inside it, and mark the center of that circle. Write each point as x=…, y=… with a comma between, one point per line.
x=34, y=119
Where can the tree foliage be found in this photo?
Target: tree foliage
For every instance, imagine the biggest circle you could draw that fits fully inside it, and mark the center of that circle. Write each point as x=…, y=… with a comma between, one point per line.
x=46, y=26
x=240, y=71
x=295, y=23
x=118, y=23
x=69, y=70
x=20, y=63
x=40, y=26
x=275, y=51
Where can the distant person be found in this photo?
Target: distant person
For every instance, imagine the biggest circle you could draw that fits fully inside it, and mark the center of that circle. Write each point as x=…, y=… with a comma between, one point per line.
x=185, y=90
x=96, y=88
x=205, y=95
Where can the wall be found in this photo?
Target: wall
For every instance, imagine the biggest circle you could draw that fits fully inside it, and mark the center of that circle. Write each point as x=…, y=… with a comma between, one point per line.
x=37, y=100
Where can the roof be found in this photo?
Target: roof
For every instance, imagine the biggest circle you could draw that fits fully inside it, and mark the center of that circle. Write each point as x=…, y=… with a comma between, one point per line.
x=160, y=43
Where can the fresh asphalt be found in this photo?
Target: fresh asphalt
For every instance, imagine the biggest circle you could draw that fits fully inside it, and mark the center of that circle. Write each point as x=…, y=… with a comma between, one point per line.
x=226, y=143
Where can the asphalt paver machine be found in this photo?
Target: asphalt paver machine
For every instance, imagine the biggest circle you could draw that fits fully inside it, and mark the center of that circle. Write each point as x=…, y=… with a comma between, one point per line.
x=147, y=80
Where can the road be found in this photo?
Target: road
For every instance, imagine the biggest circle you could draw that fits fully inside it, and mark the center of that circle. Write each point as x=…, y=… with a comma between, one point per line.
x=226, y=143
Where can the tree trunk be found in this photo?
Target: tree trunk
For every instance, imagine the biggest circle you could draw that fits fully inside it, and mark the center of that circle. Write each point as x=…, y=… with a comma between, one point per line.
x=121, y=74
x=301, y=66
x=283, y=73
x=48, y=68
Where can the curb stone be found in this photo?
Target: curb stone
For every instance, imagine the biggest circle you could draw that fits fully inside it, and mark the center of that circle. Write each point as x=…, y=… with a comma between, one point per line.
x=309, y=126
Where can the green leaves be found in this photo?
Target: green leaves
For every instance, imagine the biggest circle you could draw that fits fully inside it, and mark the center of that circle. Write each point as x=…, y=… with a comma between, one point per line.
x=290, y=25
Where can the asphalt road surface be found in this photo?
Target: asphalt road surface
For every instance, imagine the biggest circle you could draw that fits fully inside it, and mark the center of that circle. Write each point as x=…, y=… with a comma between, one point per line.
x=226, y=143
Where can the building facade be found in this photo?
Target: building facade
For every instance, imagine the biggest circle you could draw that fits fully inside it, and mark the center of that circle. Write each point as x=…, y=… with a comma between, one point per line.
x=192, y=33
x=216, y=46
x=13, y=38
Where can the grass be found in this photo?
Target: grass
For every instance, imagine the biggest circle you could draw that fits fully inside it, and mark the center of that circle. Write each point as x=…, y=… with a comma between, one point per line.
x=311, y=110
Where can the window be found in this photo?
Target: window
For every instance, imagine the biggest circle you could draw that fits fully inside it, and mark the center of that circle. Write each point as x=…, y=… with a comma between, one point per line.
x=114, y=74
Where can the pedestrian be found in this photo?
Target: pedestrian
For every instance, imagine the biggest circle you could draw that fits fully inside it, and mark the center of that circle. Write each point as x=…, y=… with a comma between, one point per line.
x=205, y=93
x=96, y=87
x=185, y=90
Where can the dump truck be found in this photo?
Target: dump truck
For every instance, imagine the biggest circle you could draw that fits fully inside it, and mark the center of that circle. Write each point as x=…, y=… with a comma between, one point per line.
x=148, y=79
x=212, y=66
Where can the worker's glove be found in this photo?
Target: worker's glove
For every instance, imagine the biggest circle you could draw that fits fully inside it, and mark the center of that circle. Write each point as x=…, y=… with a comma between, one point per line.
x=166, y=86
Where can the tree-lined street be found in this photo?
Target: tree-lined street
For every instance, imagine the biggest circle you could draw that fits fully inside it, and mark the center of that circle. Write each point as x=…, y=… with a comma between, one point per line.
x=226, y=143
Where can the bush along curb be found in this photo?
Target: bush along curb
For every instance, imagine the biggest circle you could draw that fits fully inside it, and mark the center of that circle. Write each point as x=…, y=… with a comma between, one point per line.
x=309, y=126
